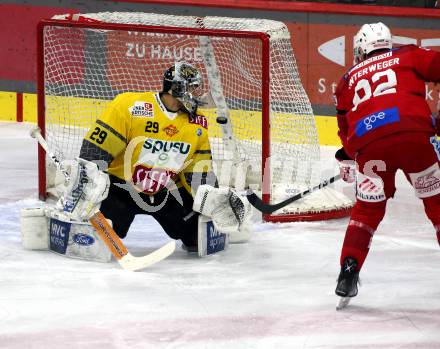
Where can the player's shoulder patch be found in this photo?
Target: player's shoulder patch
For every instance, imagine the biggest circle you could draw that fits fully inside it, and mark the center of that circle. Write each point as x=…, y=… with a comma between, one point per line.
x=141, y=104
x=141, y=109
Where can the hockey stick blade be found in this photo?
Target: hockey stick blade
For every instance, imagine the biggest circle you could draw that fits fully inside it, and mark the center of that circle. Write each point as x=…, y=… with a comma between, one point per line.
x=104, y=229
x=118, y=249
x=271, y=208
x=130, y=262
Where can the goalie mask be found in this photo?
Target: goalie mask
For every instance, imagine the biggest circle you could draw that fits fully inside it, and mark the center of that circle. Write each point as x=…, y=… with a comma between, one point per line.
x=371, y=37
x=184, y=82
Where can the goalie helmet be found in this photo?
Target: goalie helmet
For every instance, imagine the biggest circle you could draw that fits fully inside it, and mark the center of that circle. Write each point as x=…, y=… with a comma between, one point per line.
x=371, y=37
x=184, y=82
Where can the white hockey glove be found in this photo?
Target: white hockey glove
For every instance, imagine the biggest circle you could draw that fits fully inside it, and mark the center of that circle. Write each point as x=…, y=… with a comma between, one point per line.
x=229, y=211
x=347, y=166
x=83, y=194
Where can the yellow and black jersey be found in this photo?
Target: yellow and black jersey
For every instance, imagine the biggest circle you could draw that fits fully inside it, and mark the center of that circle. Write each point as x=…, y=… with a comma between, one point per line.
x=148, y=145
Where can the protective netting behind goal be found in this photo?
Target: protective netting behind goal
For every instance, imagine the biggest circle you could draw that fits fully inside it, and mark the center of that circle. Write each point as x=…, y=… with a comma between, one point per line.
x=86, y=65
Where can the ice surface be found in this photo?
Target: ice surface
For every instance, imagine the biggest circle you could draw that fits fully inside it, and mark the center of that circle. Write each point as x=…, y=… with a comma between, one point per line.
x=277, y=291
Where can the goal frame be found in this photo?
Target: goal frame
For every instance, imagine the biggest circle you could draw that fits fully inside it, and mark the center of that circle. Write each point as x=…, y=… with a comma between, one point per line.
x=265, y=106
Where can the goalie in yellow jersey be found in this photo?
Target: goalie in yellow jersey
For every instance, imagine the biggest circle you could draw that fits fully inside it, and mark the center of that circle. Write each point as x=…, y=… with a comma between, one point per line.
x=158, y=154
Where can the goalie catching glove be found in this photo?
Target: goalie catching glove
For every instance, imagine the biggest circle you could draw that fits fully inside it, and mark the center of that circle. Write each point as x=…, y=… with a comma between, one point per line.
x=86, y=189
x=230, y=212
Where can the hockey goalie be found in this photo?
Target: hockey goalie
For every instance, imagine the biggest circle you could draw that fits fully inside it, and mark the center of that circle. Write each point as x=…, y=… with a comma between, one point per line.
x=148, y=153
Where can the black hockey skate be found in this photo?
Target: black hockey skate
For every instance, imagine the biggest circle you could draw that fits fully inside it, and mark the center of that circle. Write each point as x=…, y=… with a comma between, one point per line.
x=348, y=279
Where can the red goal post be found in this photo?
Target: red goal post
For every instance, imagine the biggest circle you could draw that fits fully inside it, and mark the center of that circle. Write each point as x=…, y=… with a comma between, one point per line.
x=82, y=65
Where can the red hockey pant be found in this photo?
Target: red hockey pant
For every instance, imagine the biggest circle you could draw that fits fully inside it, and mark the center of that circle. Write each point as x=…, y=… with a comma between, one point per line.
x=415, y=156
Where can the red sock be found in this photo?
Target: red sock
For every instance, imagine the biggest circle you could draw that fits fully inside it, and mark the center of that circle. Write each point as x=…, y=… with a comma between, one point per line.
x=357, y=242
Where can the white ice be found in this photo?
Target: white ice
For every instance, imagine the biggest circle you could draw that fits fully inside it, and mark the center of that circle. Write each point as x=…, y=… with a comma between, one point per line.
x=277, y=291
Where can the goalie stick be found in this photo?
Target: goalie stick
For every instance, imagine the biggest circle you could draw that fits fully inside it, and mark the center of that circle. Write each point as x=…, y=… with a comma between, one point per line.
x=104, y=229
x=118, y=249
x=270, y=208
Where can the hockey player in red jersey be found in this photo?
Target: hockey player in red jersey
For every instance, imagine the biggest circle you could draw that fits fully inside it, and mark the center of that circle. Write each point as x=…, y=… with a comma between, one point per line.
x=384, y=124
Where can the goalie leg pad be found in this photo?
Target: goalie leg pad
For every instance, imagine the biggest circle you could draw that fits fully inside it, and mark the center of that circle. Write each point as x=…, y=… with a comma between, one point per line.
x=75, y=239
x=34, y=229
x=210, y=240
x=228, y=209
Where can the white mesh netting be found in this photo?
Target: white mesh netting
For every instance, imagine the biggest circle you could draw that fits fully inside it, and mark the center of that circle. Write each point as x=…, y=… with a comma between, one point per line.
x=85, y=68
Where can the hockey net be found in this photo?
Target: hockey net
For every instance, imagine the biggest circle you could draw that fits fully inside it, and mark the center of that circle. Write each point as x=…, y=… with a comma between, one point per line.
x=250, y=76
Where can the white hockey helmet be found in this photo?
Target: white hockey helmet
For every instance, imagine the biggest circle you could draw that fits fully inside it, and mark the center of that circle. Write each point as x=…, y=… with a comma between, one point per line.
x=371, y=37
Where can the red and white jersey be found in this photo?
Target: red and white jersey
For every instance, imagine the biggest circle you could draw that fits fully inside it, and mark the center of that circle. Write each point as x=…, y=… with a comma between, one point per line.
x=385, y=94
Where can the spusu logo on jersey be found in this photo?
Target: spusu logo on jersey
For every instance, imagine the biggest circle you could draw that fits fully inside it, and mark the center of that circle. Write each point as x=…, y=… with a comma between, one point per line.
x=140, y=108
x=158, y=145
x=158, y=162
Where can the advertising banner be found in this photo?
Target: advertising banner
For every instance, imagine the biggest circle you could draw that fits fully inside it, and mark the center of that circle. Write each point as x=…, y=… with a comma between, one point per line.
x=323, y=51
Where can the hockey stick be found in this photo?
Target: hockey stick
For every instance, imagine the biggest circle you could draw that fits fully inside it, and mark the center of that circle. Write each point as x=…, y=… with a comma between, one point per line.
x=104, y=229
x=223, y=113
x=118, y=249
x=270, y=208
